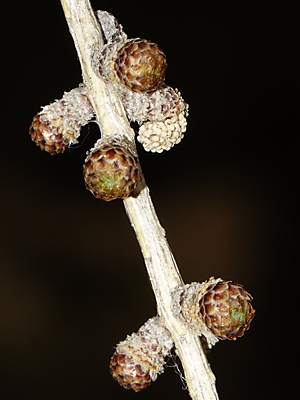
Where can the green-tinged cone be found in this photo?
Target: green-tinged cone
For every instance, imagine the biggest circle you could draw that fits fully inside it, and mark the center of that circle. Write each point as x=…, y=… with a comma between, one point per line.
x=141, y=65
x=110, y=172
x=226, y=310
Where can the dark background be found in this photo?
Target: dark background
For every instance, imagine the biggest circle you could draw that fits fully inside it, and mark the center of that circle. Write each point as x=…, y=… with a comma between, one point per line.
x=72, y=279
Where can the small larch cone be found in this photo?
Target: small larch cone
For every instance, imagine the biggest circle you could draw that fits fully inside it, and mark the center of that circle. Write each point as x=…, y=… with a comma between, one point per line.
x=48, y=136
x=216, y=309
x=141, y=65
x=110, y=171
x=140, y=358
x=128, y=373
x=58, y=125
x=226, y=310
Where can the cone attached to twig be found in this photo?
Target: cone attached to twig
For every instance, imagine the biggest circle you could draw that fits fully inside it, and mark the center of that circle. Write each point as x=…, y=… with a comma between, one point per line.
x=110, y=171
x=141, y=65
x=58, y=125
x=217, y=309
x=139, y=359
x=226, y=310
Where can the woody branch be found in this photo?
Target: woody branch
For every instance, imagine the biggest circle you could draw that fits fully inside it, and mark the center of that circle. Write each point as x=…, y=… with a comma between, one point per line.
x=161, y=266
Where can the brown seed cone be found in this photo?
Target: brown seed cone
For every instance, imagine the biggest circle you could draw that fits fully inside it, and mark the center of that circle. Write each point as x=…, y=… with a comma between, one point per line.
x=216, y=309
x=141, y=65
x=48, y=136
x=110, y=171
x=226, y=309
x=58, y=125
x=127, y=373
x=139, y=359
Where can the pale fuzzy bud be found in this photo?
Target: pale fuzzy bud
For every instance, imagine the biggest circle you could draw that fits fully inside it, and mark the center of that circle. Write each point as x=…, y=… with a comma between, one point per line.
x=159, y=105
x=103, y=61
x=185, y=308
x=58, y=125
x=162, y=135
x=141, y=357
x=110, y=26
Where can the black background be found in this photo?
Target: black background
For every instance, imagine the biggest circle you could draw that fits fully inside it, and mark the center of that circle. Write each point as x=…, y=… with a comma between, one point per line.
x=72, y=279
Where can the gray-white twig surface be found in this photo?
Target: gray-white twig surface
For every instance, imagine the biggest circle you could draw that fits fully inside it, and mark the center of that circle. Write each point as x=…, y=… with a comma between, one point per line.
x=161, y=266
